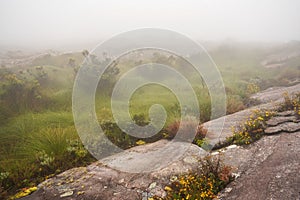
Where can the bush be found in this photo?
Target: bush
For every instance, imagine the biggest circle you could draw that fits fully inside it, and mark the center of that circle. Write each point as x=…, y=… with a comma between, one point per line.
x=291, y=103
x=234, y=104
x=187, y=125
x=212, y=177
x=252, y=129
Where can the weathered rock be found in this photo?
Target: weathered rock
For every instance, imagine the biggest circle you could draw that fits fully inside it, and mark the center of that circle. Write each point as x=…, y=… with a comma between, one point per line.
x=285, y=127
x=279, y=120
x=275, y=94
x=286, y=113
x=221, y=128
x=155, y=157
x=269, y=169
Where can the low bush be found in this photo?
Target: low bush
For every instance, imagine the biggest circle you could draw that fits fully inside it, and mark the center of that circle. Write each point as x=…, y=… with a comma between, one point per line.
x=213, y=176
x=198, y=135
x=252, y=129
x=291, y=102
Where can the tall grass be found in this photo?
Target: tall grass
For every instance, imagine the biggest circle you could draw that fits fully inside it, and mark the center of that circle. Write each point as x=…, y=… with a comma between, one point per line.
x=33, y=146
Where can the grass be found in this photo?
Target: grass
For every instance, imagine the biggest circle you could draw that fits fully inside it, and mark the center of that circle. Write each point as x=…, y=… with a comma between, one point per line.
x=35, y=145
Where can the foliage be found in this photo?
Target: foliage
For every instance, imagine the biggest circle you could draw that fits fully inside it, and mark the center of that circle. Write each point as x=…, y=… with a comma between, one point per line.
x=252, y=129
x=212, y=177
x=234, y=104
x=19, y=94
x=252, y=88
x=40, y=153
x=291, y=103
x=187, y=126
x=24, y=192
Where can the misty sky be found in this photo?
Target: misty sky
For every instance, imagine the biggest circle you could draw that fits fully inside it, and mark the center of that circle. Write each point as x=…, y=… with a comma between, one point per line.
x=54, y=23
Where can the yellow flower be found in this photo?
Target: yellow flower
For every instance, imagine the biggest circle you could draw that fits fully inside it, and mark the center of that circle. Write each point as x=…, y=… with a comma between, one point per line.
x=260, y=118
x=267, y=114
x=140, y=142
x=24, y=192
x=203, y=194
x=182, y=181
x=167, y=188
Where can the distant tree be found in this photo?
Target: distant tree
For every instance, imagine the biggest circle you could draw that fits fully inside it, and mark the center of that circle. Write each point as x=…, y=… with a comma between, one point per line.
x=85, y=53
x=71, y=62
x=19, y=94
x=94, y=59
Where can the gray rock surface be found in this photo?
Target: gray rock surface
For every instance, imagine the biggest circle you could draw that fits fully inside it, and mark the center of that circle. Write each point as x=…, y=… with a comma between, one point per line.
x=275, y=94
x=269, y=169
x=286, y=113
x=274, y=121
x=285, y=127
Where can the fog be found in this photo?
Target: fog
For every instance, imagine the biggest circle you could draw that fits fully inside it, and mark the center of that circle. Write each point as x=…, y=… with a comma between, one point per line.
x=75, y=23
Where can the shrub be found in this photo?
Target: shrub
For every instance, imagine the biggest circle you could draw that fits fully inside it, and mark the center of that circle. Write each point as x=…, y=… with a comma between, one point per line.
x=234, y=104
x=188, y=126
x=296, y=104
x=212, y=177
x=252, y=88
x=291, y=103
x=252, y=129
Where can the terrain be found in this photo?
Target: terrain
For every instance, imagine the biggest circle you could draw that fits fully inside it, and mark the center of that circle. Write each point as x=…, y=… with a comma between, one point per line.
x=38, y=139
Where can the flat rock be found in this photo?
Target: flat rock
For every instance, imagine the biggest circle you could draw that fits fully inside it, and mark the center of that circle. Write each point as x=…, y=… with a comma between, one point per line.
x=286, y=113
x=280, y=119
x=285, y=127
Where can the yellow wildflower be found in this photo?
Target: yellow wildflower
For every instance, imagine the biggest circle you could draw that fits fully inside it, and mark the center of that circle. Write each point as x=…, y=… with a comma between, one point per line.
x=167, y=188
x=140, y=142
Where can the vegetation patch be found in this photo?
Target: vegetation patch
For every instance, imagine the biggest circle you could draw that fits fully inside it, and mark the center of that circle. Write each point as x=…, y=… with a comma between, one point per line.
x=252, y=129
x=291, y=102
x=212, y=177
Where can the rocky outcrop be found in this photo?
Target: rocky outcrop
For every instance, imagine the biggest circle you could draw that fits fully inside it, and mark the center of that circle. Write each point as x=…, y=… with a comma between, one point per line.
x=221, y=128
x=99, y=181
x=289, y=127
x=283, y=122
x=267, y=169
x=275, y=94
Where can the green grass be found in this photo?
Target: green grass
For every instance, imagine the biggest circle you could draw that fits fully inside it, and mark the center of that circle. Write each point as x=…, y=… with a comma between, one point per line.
x=35, y=145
